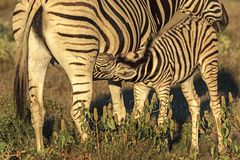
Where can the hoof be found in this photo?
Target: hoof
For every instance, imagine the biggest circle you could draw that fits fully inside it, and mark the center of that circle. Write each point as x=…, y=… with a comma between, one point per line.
x=163, y=124
x=222, y=150
x=42, y=153
x=119, y=118
x=194, y=151
x=84, y=137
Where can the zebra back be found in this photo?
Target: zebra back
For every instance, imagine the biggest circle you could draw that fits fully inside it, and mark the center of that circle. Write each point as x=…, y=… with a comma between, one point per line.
x=211, y=10
x=180, y=49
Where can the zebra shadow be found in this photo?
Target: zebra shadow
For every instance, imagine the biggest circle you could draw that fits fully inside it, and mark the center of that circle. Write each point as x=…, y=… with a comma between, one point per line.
x=181, y=114
x=180, y=109
x=226, y=84
x=105, y=100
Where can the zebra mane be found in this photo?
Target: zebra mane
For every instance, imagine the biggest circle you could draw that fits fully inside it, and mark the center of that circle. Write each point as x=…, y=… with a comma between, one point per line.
x=140, y=61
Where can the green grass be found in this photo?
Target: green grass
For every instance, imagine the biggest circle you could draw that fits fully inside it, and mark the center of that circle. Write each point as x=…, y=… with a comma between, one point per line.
x=6, y=43
x=133, y=140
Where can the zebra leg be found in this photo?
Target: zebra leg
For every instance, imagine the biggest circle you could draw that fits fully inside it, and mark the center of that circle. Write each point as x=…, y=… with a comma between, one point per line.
x=141, y=92
x=119, y=109
x=209, y=75
x=76, y=53
x=79, y=70
x=194, y=108
x=163, y=96
x=38, y=61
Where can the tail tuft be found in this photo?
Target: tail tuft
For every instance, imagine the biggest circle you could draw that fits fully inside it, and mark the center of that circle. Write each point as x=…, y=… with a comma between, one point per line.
x=20, y=85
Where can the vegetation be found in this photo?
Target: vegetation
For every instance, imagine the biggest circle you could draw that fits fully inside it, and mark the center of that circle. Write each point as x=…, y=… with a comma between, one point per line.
x=134, y=139
x=6, y=43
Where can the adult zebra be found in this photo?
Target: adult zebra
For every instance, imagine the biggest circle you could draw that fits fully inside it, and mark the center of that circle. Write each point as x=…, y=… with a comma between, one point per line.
x=172, y=58
x=74, y=33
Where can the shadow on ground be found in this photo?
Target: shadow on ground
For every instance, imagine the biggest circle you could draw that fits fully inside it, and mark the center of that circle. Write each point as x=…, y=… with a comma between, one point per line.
x=179, y=105
x=226, y=84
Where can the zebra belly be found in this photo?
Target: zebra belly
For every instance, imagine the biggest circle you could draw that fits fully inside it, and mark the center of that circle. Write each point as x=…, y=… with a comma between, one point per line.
x=181, y=77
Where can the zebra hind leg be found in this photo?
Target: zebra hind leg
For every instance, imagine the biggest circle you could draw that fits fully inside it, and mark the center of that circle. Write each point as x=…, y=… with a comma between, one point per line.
x=80, y=72
x=38, y=61
x=76, y=51
x=209, y=75
x=194, y=108
x=119, y=109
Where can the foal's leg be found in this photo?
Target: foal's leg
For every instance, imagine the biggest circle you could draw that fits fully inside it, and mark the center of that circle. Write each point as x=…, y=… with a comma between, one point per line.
x=209, y=74
x=141, y=92
x=194, y=108
x=119, y=109
x=163, y=93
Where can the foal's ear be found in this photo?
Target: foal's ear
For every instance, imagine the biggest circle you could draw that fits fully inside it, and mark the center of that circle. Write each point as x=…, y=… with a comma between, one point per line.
x=125, y=72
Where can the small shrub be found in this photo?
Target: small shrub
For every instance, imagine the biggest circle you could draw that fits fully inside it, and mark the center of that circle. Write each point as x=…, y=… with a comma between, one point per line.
x=7, y=45
x=224, y=43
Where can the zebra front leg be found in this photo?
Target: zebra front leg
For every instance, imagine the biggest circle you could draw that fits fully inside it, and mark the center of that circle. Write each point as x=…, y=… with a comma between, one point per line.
x=38, y=61
x=194, y=108
x=209, y=75
x=141, y=92
x=119, y=109
x=163, y=96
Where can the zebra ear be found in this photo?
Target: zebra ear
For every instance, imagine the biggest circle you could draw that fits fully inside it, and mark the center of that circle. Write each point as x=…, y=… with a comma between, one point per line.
x=126, y=72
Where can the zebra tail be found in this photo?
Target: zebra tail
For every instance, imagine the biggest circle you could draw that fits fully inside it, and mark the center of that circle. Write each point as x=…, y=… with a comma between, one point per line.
x=21, y=75
x=140, y=61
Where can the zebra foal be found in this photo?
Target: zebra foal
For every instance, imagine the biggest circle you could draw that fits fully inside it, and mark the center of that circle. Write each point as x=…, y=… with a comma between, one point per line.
x=172, y=58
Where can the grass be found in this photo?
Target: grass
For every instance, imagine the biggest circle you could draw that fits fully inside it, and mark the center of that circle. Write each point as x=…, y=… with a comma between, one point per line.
x=6, y=43
x=132, y=140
